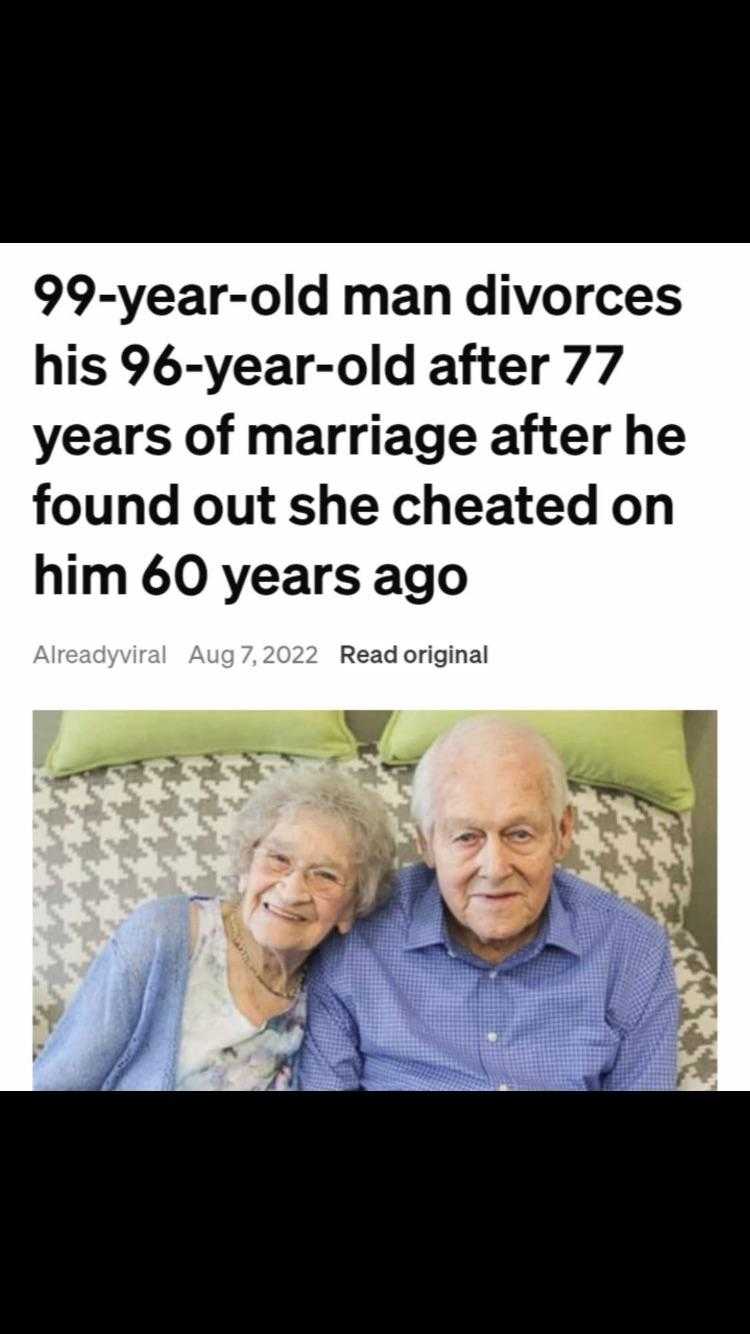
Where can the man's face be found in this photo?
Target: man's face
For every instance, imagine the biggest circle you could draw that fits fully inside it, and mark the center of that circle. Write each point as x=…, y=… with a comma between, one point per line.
x=494, y=847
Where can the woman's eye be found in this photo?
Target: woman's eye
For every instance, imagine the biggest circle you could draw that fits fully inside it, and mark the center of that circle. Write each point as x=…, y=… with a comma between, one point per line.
x=327, y=880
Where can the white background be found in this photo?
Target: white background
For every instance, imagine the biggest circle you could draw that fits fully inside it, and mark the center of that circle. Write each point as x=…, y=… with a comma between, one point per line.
x=589, y=617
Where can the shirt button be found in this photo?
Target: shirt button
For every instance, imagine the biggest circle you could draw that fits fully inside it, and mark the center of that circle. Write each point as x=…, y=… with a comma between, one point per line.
x=492, y=1037
x=502, y=1088
x=492, y=976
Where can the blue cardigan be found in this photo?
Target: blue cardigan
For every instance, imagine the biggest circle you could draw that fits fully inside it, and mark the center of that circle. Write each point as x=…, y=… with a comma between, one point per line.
x=122, y=1029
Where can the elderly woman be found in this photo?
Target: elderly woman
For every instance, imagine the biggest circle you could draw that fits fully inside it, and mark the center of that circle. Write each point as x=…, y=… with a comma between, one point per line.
x=209, y=993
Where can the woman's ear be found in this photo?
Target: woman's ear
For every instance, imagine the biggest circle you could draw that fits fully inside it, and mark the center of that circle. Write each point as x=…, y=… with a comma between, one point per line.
x=346, y=921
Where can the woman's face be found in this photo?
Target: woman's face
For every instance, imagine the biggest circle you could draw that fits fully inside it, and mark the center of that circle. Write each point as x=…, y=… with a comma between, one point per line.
x=300, y=884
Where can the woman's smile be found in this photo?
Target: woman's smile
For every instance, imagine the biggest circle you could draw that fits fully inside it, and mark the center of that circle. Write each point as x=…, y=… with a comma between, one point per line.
x=284, y=913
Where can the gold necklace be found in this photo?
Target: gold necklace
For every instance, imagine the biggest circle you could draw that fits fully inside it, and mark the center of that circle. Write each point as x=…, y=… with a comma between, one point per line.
x=234, y=931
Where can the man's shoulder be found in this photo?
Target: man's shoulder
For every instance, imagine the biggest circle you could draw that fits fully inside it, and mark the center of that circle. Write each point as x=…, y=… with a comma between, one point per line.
x=595, y=911
x=407, y=886
x=388, y=924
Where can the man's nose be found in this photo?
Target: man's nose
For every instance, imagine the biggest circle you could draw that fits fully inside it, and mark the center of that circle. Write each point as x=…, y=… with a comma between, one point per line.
x=494, y=861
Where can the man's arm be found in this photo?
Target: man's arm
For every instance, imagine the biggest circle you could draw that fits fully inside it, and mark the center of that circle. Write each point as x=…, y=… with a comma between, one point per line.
x=647, y=1058
x=330, y=1057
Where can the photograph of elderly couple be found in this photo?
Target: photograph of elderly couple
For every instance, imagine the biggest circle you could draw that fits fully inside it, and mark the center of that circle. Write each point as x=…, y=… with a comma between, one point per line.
x=421, y=901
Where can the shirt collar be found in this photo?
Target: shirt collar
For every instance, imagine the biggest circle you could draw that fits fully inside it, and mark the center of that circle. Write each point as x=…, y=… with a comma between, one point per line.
x=559, y=928
x=427, y=924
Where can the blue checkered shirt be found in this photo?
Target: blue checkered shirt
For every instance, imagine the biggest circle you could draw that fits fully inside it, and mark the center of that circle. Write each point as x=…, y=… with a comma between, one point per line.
x=591, y=1003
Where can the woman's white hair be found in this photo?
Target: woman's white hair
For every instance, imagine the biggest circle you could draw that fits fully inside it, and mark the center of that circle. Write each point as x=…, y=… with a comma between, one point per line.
x=362, y=813
x=494, y=734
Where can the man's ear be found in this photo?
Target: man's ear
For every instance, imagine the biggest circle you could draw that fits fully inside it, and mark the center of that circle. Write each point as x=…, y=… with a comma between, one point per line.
x=424, y=847
x=565, y=832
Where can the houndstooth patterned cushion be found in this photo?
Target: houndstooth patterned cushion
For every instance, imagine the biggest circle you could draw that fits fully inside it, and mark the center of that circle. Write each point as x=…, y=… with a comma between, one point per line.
x=641, y=852
x=107, y=840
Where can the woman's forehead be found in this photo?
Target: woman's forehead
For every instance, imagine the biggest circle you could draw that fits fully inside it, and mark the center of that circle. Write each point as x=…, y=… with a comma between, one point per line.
x=312, y=829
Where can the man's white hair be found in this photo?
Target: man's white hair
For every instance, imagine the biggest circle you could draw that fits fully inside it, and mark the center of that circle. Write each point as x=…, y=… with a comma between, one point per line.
x=493, y=734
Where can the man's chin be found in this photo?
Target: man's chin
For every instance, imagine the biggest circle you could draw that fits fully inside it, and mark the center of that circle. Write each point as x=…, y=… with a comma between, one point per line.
x=500, y=928
x=504, y=916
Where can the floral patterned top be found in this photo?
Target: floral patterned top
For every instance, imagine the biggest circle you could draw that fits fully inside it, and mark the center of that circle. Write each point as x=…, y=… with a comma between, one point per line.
x=220, y=1048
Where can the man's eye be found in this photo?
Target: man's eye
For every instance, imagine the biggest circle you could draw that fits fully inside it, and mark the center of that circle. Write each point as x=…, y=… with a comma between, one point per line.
x=520, y=835
x=465, y=838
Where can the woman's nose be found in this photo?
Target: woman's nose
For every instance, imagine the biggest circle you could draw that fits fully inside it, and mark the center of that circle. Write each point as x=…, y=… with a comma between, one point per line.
x=293, y=885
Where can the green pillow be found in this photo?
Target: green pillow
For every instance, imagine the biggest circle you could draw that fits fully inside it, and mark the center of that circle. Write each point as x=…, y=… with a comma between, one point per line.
x=640, y=751
x=89, y=738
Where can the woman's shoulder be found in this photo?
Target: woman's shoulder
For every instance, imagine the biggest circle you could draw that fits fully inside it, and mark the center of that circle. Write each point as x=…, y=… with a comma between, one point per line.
x=153, y=921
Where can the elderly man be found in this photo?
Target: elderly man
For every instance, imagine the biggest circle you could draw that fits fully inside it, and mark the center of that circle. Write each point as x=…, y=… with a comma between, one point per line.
x=491, y=967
